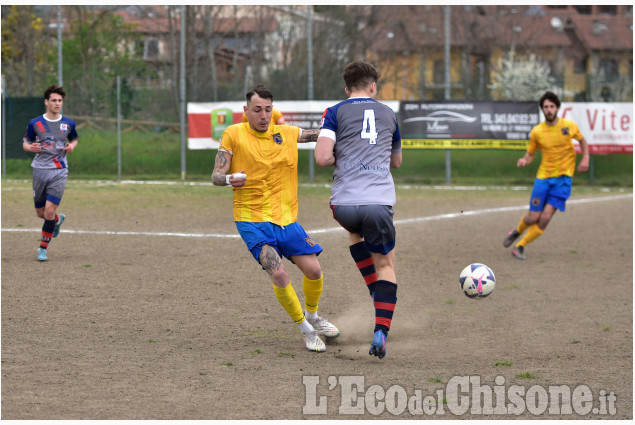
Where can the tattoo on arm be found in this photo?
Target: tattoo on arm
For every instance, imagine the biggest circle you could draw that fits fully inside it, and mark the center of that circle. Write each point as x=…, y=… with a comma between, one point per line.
x=221, y=167
x=270, y=260
x=309, y=136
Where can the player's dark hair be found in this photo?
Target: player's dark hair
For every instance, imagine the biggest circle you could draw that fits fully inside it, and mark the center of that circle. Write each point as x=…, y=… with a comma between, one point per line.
x=261, y=91
x=358, y=74
x=550, y=96
x=54, y=89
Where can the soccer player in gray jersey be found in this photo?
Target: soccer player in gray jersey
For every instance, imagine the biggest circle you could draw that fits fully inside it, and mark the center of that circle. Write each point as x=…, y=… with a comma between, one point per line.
x=50, y=136
x=360, y=137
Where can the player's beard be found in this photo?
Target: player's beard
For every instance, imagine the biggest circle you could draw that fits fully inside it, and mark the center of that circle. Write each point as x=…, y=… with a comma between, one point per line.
x=551, y=118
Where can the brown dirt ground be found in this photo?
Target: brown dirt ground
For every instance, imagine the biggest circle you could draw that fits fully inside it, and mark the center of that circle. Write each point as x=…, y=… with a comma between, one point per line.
x=168, y=327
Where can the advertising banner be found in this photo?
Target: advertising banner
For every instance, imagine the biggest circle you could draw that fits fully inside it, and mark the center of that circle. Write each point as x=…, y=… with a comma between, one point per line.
x=467, y=125
x=607, y=127
x=207, y=121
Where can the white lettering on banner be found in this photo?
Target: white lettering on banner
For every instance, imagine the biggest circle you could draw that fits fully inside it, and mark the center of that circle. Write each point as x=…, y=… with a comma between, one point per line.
x=462, y=395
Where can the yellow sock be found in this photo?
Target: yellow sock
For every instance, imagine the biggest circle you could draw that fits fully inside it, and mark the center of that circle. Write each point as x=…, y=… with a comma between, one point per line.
x=288, y=299
x=522, y=226
x=312, y=291
x=534, y=233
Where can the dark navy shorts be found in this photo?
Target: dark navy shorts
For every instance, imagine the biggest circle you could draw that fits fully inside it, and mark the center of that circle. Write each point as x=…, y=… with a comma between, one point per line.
x=372, y=222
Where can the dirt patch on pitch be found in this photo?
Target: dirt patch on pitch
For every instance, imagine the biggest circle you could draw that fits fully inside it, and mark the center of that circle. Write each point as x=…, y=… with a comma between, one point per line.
x=143, y=326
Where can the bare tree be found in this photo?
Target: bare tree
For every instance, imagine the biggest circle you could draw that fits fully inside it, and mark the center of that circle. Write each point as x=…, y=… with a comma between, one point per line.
x=211, y=43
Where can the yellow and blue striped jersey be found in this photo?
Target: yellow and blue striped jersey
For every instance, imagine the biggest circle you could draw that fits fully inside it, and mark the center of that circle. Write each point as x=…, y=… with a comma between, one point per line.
x=556, y=147
x=270, y=160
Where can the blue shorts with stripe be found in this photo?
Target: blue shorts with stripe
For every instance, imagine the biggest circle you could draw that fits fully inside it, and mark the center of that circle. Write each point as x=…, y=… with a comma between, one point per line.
x=553, y=191
x=286, y=240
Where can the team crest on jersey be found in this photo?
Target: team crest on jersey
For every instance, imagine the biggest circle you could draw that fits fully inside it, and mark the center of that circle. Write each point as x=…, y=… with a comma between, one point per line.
x=63, y=127
x=565, y=131
x=310, y=241
x=535, y=201
x=277, y=138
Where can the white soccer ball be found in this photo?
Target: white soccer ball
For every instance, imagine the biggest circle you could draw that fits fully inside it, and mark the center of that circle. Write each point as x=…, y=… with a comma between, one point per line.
x=477, y=280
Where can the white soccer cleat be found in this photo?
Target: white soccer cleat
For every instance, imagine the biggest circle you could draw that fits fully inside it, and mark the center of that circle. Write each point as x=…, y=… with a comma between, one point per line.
x=324, y=327
x=313, y=342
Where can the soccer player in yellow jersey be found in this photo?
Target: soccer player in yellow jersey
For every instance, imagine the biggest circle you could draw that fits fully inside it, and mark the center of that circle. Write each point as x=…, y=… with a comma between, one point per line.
x=552, y=187
x=260, y=161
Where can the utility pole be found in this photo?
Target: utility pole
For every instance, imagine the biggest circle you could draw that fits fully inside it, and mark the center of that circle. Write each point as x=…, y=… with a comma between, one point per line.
x=448, y=153
x=60, y=79
x=309, y=48
x=182, y=84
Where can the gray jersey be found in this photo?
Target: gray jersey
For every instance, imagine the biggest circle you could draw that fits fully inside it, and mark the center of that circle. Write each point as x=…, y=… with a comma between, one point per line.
x=366, y=132
x=53, y=135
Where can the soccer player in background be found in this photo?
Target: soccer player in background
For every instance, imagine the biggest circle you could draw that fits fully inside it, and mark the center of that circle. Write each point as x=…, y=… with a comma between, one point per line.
x=50, y=136
x=360, y=137
x=552, y=187
x=266, y=208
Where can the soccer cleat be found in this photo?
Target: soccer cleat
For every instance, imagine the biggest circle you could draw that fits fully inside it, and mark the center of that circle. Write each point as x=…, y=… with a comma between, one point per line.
x=511, y=237
x=41, y=254
x=56, y=231
x=324, y=327
x=378, y=346
x=519, y=252
x=313, y=342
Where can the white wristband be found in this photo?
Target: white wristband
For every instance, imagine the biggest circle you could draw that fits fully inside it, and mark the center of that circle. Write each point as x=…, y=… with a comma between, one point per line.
x=227, y=179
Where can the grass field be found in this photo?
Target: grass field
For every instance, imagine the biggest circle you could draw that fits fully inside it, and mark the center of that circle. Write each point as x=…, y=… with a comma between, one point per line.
x=157, y=157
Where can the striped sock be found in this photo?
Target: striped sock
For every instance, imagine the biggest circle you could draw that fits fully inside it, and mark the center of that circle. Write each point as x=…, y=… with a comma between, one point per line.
x=47, y=233
x=385, y=301
x=365, y=264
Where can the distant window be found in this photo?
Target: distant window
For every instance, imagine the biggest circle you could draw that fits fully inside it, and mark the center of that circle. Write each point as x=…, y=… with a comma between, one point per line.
x=580, y=66
x=609, y=68
x=151, y=50
x=607, y=10
x=584, y=9
x=439, y=72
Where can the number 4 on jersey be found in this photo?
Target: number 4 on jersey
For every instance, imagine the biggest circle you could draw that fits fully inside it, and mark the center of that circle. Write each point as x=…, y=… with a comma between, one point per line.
x=369, y=130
